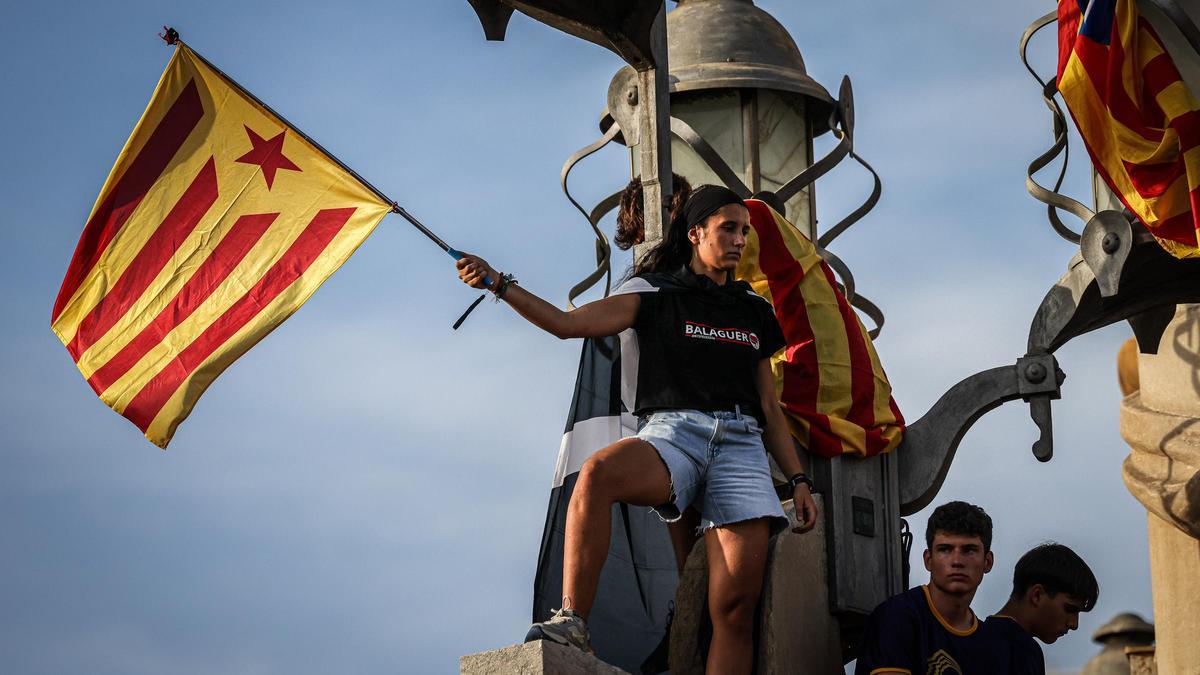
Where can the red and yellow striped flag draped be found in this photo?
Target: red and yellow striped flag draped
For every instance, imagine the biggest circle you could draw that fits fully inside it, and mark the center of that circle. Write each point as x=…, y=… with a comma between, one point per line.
x=1138, y=120
x=831, y=385
x=216, y=223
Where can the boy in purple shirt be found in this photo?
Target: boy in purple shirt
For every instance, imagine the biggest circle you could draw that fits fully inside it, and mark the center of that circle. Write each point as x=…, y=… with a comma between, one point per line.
x=1051, y=586
x=931, y=628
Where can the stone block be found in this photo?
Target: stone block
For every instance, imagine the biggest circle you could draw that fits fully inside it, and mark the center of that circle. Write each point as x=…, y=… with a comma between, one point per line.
x=1175, y=588
x=797, y=633
x=535, y=658
x=1141, y=660
x=1162, y=468
x=1159, y=422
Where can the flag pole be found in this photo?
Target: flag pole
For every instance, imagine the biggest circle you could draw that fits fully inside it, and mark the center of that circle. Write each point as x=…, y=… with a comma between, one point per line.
x=171, y=37
x=454, y=253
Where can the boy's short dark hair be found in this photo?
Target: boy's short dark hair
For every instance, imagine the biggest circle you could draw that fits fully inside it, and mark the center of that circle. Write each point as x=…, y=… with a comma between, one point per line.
x=962, y=519
x=1059, y=570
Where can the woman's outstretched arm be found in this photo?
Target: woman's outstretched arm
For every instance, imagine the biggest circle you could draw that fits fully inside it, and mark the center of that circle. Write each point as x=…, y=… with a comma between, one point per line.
x=608, y=316
x=779, y=443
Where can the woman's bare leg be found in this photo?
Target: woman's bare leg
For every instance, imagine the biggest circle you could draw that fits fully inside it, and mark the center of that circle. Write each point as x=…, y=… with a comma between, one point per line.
x=627, y=471
x=683, y=536
x=737, y=557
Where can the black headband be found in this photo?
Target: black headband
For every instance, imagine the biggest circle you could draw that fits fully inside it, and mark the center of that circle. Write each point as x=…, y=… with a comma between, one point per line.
x=703, y=202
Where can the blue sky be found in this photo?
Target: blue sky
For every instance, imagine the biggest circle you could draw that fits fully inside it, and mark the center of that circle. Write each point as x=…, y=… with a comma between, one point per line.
x=365, y=490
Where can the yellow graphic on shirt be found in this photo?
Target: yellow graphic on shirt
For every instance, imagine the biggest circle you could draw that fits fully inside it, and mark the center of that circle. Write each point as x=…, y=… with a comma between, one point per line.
x=942, y=663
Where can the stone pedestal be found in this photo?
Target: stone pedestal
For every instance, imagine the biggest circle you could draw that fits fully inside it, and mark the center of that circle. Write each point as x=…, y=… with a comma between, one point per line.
x=797, y=634
x=1124, y=634
x=1141, y=660
x=1161, y=423
x=1175, y=577
x=535, y=658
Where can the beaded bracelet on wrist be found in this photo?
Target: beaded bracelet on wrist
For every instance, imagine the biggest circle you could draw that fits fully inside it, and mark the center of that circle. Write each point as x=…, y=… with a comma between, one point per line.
x=502, y=285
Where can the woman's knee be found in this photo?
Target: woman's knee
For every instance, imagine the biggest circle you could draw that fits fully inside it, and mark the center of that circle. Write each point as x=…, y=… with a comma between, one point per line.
x=733, y=609
x=596, y=477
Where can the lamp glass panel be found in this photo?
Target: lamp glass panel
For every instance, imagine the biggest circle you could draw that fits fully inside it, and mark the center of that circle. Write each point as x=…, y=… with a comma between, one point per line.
x=686, y=163
x=717, y=117
x=783, y=150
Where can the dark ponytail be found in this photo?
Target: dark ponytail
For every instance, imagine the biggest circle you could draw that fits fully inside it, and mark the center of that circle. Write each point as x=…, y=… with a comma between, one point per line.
x=670, y=253
x=631, y=223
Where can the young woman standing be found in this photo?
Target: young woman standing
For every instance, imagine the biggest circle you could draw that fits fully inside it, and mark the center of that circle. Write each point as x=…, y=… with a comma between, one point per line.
x=706, y=396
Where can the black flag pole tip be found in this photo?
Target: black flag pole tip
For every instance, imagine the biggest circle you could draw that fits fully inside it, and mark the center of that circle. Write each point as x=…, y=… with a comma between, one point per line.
x=396, y=208
x=453, y=252
x=169, y=35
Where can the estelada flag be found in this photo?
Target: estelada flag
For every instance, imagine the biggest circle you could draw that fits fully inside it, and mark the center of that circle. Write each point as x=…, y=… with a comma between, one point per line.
x=216, y=223
x=1138, y=120
x=829, y=379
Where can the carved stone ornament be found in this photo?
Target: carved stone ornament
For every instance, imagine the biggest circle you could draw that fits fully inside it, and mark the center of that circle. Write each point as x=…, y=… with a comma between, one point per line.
x=1161, y=423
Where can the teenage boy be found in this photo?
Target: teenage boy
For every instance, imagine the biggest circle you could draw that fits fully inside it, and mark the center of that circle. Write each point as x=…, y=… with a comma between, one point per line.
x=931, y=628
x=1051, y=586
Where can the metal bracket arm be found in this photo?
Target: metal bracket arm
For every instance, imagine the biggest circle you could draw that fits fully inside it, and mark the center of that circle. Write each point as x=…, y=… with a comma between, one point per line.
x=929, y=444
x=1120, y=272
x=625, y=27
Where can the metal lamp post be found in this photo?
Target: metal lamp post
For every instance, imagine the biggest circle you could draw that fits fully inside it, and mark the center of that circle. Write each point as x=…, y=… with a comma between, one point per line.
x=744, y=113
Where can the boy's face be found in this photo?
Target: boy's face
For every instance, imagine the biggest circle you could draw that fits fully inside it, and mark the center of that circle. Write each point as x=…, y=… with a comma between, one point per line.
x=957, y=563
x=1054, y=615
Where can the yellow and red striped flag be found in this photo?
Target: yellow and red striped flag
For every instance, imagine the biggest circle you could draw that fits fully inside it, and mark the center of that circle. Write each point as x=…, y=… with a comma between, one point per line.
x=830, y=382
x=1138, y=120
x=216, y=223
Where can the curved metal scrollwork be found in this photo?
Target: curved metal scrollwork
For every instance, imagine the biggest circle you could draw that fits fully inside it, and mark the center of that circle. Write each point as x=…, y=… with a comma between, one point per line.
x=868, y=308
x=842, y=124
x=603, y=252
x=603, y=248
x=1051, y=197
x=817, y=169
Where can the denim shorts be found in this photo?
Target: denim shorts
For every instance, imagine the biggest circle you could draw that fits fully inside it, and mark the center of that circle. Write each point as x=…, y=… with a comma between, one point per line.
x=718, y=464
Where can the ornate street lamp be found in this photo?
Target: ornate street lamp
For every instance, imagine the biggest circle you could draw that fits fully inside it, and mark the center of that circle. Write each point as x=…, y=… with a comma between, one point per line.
x=744, y=113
